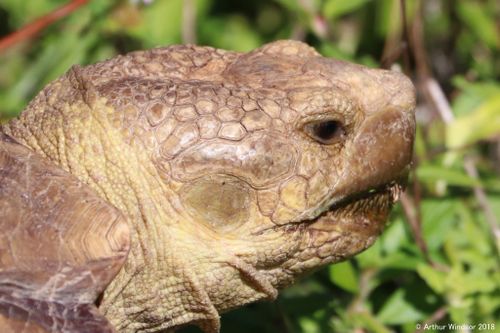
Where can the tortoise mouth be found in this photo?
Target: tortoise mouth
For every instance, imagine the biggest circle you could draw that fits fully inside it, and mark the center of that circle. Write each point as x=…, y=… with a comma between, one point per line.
x=364, y=212
x=345, y=228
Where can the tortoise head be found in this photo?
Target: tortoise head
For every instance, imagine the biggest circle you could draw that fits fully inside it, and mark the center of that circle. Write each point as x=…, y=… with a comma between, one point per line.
x=296, y=166
x=238, y=172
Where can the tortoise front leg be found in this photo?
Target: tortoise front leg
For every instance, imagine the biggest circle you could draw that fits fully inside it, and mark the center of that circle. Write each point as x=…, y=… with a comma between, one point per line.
x=60, y=246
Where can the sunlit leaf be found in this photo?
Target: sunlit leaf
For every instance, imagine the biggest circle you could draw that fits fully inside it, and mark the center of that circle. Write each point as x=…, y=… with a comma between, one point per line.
x=370, y=322
x=434, y=278
x=345, y=276
x=154, y=29
x=434, y=173
x=482, y=123
x=472, y=94
x=292, y=5
x=480, y=20
x=399, y=310
x=400, y=260
x=438, y=218
x=234, y=33
x=336, y=8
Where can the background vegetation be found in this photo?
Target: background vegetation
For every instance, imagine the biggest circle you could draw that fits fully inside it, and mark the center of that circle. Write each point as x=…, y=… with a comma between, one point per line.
x=438, y=261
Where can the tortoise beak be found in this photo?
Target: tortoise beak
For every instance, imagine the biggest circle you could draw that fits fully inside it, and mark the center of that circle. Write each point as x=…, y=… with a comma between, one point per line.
x=382, y=150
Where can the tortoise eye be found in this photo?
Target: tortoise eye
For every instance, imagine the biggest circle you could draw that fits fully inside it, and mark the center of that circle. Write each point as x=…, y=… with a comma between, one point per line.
x=326, y=132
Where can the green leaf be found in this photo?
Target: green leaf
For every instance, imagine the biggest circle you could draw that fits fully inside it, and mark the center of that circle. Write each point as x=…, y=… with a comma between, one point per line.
x=472, y=231
x=23, y=12
x=460, y=310
x=480, y=21
x=435, y=279
x=161, y=23
x=432, y=173
x=438, y=218
x=387, y=17
x=398, y=310
x=488, y=303
x=371, y=257
x=309, y=325
x=233, y=32
x=336, y=8
x=369, y=322
x=399, y=260
x=472, y=94
x=291, y=5
x=482, y=123
x=481, y=282
x=394, y=237
x=345, y=276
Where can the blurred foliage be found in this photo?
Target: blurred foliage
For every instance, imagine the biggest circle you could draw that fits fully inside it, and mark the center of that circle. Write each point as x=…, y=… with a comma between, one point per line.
x=396, y=284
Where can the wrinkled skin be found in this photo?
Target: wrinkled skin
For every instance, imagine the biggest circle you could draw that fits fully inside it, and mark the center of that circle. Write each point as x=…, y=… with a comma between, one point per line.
x=235, y=172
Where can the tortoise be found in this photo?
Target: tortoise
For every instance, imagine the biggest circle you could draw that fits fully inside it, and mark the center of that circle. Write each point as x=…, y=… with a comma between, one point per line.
x=160, y=188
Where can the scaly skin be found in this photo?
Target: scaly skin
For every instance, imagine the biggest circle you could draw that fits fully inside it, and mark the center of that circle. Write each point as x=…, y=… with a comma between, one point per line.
x=236, y=172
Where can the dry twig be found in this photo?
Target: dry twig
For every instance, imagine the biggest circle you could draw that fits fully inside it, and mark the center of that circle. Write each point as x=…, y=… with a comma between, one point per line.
x=410, y=204
x=189, y=22
x=396, y=47
x=413, y=217
x=31, y=29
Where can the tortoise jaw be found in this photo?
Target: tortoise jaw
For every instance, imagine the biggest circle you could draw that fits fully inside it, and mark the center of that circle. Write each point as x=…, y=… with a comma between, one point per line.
x=364, y=212
x=345, y=228
x=370, y=201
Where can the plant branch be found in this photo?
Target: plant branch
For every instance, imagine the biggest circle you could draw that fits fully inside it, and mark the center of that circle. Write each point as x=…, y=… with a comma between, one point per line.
x=31, y=29
x=413, y=217
x=189, y=22
x=365, y=288
x=411, y=205
x=397, y=45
